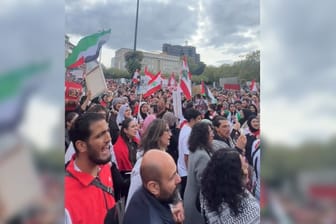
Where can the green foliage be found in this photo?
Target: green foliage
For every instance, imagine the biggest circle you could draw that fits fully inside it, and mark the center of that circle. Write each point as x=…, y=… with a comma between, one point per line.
x=114, y=73
x=133, y=61
x=246, y=69
x=196, y=68
x=198, y=79
x=280, y=162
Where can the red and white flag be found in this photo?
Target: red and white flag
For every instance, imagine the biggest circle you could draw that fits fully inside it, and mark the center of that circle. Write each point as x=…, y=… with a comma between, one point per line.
x=136, y=77
x=253, y=86
x=154, y=85
x=172, y=84
x=149, y=74
x=185, y=80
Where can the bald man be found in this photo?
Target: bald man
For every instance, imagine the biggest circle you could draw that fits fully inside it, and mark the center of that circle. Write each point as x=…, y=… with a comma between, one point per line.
x=150, y=203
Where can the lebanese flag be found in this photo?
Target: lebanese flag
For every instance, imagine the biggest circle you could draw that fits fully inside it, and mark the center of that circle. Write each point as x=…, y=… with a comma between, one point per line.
x=136, y=77
x=149, y=74
x=154, y=85
x=253, y=86
x=172, y=84
x=185, y=82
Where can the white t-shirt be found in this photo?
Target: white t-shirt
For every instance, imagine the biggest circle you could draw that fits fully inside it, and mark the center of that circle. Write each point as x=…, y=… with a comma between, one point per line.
x=136, y=181
x=183, y=149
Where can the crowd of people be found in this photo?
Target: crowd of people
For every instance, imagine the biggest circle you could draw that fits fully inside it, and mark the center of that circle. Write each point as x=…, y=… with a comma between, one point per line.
x=132, y=160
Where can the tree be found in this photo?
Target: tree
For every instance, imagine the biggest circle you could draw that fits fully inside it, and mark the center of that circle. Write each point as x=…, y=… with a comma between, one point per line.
x=114, y=73
x=196, y=68
x=133, y=61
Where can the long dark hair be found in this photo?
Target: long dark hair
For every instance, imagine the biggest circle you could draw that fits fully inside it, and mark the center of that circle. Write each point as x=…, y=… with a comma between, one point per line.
x=222, y=181
x=152, y=135
x=199, y=137
x=131, y=144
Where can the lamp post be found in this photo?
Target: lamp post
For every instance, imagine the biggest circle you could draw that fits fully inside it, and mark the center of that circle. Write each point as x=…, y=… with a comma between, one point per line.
x=136, y=26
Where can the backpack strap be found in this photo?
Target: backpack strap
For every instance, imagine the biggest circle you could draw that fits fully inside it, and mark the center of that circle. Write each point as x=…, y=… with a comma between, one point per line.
x=97, y=183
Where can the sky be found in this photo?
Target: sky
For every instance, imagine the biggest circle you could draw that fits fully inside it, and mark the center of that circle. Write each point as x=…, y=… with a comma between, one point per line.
x=220, y=30
x=298, y=71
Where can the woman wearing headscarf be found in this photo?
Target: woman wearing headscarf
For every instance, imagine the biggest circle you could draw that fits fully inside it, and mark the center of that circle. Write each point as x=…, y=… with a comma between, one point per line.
x=143, y=112
x=252, y=134
x=200, y=147
x=224, y=198
x=123, y=113
x=113, y=125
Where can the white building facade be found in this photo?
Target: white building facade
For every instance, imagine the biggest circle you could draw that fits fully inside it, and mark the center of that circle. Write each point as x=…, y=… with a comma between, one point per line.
x=155, y=62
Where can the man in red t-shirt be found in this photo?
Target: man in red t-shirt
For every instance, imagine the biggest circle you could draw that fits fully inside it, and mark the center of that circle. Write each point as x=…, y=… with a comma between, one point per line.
x=84, y=201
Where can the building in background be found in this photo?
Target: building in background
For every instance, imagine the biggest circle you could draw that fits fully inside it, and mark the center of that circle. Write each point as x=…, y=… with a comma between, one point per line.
x=155, y=62
x=178, y=50
x=68, y=46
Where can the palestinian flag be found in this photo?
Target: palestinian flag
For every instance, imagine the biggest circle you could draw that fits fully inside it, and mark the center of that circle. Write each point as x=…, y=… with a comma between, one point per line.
x=205, y=91
x=185, y=80
x=16, y=87
x=87, y=49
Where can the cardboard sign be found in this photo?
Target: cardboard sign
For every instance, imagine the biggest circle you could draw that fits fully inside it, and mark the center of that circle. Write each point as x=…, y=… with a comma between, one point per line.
x=95, y=81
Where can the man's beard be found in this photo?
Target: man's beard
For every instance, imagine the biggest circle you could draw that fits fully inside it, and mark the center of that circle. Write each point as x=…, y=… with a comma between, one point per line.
x=165, y=197
x=94, y=157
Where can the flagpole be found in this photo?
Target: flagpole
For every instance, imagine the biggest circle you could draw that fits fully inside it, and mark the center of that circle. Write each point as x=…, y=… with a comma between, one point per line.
x=136, y=26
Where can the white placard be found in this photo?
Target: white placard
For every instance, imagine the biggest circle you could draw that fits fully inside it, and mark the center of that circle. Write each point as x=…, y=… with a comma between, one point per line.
x=95, y=81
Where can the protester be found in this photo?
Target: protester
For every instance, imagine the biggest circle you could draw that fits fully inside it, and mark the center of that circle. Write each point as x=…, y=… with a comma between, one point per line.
x=69, y=120
x=91, y=140
x=192, y=116
x=150, y=203
x=200, y=147
x=252, y=134
x=125, y=148
x=172, y=121
x=123, y=113
x=157, y=136
x=223, y=138
x=224, y=198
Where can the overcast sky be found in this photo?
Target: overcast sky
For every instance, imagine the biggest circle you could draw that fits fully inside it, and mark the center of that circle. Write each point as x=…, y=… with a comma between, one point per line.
x=298, y=70
x=220, y=30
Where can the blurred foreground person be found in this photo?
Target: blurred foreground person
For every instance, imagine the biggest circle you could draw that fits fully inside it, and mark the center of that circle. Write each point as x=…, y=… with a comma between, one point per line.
x=88, y=182
x=150, y=203
x=224, y=198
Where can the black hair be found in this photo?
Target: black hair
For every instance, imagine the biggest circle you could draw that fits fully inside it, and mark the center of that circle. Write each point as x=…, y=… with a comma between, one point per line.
x=216, y=120
x=191, y=113
x=124, y=125
x=199, y=137
x=80, y=130
x=222, y=181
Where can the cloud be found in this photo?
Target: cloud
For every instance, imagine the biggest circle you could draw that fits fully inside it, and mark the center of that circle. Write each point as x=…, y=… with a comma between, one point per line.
x=302, y=49
x=298, y=71
x=170, y=22
x=205, y=24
